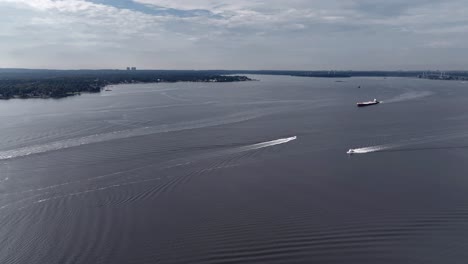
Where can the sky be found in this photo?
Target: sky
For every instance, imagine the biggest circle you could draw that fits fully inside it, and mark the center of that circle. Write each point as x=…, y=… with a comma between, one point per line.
x=241, y=34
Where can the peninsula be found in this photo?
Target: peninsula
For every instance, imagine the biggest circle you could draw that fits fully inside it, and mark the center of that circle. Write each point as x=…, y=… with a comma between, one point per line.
x=23, y=83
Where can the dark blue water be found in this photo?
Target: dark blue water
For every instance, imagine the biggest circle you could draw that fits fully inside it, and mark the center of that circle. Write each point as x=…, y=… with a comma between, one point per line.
x=251, y=172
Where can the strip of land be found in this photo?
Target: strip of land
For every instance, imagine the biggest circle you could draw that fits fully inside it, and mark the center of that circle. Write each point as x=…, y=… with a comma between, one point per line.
x=25, y=83
x=21, y=83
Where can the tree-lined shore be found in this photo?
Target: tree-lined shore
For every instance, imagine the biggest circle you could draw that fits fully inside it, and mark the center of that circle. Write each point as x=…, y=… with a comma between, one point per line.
x=21, y=83
x=25, y=83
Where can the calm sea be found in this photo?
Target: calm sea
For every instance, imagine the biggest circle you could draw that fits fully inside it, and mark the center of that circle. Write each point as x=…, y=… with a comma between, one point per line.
x=249, y=172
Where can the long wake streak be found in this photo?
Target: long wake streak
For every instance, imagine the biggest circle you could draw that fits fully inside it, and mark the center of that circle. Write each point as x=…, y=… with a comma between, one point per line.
x=267, y=144
x=47, y=190
x=403, y=145
x=371, y=149
x=75, y=142
x=408, y=96
x=237, y=150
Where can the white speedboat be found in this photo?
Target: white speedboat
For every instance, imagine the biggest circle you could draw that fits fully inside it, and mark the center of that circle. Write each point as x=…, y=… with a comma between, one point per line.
x=362, y=104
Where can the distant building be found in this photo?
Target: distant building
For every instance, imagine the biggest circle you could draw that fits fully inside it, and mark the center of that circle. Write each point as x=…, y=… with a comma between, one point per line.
x=128, y=68
x=133, y=68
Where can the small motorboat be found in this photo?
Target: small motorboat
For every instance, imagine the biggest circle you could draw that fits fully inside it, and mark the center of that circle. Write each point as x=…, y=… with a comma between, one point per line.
x=374, y=102
x=351, y=152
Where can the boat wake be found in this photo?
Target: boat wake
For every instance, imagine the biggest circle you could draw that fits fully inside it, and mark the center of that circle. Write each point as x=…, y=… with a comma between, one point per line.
x=173, y=164
x=371, y=149
x=408, y=96
x=237, y=150
x=410, y=143
x=266, y=144
x=141, y=131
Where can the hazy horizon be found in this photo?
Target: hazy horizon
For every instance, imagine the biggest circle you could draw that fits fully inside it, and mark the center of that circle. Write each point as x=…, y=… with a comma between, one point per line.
x=233, y=35
x=237, y=70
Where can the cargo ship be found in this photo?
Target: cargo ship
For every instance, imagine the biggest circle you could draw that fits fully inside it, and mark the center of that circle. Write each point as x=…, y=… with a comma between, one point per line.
x=362, y=104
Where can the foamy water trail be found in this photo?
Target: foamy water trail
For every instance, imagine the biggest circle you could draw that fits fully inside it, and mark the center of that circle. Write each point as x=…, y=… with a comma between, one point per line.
x=75, y=142
x=112, y=186
x=172, y=164
x=233, y=151
x=408, y=96
x=267, y=144
x=371, y=149
x=411, y=142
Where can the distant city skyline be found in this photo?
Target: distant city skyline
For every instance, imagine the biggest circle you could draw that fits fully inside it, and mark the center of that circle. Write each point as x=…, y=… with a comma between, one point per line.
x=242, y=34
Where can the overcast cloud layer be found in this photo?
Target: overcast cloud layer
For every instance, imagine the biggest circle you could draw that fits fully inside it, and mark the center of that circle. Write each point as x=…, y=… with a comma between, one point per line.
x=227, y=34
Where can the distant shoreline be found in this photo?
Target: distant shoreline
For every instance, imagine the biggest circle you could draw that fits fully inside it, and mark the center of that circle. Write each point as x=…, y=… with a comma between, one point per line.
x=59, y=84
x=26, y=83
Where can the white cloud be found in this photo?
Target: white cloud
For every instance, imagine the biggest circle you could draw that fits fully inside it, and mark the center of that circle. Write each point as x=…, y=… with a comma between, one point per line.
x=212, y=5
x=307, y=34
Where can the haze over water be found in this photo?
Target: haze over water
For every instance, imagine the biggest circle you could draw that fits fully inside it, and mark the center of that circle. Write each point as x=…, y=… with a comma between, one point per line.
x=246, y=172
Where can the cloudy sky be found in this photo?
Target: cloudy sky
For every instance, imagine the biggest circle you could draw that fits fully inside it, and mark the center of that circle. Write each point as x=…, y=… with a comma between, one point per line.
x=234, y=34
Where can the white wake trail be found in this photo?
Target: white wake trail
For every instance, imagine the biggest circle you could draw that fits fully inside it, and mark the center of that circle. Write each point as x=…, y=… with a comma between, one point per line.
x=142, y=131
x=408, y=96
x=267, y=144
x=370, y=149
x=246, y=148
x=112, y=186
x=409, y=142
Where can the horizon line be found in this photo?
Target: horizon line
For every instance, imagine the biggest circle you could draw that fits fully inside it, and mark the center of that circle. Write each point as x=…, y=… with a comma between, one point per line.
x=240, y=70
